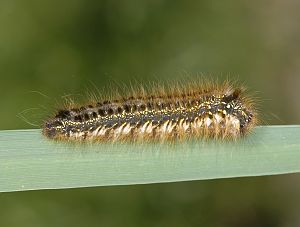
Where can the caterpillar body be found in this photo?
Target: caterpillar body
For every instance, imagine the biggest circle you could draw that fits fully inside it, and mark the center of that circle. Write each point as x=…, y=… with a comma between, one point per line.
x=192, y=110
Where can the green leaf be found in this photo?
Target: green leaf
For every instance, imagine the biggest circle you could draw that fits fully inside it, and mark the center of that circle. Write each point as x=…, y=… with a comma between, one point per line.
x=28, y=161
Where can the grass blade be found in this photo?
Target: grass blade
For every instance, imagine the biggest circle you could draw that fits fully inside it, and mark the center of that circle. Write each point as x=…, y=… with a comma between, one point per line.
x=28, y=161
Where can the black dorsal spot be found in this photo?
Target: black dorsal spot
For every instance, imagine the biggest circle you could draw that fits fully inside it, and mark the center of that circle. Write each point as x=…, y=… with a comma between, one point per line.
x=233, y=95
x=126, y=108
x=119, y=110
x=78, y=118
x=86, y=117
x=142, y=107
x=110, y=111
x=149, y=105
x=134, y=107
x=94, y=115
x=101, y=112
x=63, y=114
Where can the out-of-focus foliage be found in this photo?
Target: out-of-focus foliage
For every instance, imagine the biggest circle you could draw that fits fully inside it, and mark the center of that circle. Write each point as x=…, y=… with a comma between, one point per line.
x=50, y=49
x=61, y=48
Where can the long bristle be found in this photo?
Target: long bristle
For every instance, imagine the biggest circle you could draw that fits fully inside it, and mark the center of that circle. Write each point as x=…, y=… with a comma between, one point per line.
x=199, y=109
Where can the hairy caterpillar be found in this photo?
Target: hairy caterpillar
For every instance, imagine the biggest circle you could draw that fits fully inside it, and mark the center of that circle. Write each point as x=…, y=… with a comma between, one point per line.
x=178, y=111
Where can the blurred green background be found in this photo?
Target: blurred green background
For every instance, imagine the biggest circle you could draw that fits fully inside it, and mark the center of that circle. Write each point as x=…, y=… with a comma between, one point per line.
x=49, y=49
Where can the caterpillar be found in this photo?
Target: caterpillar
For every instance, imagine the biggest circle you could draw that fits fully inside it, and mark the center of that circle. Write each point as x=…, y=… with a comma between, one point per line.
x=162, y=113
